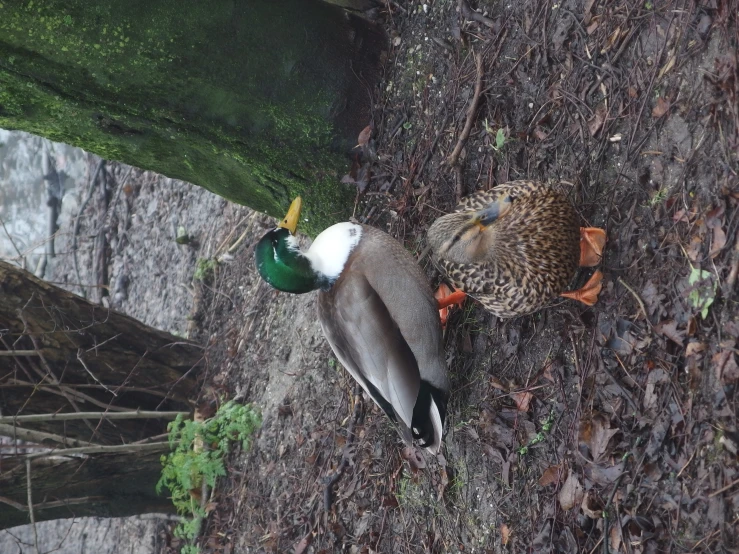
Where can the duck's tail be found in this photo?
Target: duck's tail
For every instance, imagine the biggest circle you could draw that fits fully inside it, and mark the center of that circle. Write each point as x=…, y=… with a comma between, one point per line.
x=428, y=417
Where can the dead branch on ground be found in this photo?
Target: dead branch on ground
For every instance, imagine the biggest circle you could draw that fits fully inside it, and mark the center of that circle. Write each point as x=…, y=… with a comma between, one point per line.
x=471, y=111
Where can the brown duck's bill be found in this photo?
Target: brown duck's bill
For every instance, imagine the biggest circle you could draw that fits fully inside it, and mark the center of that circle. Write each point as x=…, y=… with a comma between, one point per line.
x=290, y=221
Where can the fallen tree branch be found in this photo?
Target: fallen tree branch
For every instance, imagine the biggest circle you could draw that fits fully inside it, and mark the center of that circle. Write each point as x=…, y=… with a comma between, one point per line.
x=131, y=414
x=471, y=111
x=114, y=449
x=38, y=436
x=66, y=502
x=18, y=353
x=30, y=504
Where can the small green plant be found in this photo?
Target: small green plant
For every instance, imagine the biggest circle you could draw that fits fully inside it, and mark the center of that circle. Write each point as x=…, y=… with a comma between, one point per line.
x=546, y=426
x=658, y=197
x=198, y=449
x=500, y=136
x=703, y=291
x=204, y=267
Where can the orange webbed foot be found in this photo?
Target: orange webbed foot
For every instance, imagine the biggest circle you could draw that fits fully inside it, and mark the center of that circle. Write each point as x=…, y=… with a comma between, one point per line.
x=445, y=299
x=588, y=294
x=592, y=241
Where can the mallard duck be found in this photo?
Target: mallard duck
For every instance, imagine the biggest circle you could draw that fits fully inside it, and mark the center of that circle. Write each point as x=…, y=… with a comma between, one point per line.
x=378, y=313
x=516, y=247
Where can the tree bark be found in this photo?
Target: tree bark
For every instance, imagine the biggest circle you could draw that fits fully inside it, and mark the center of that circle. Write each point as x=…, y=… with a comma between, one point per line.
x=255, y=100
x=85, y=359
x=111, y=485
x=89, y=358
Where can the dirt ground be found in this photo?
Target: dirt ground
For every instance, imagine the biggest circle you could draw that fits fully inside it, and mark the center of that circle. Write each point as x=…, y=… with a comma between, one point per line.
x=628, y=408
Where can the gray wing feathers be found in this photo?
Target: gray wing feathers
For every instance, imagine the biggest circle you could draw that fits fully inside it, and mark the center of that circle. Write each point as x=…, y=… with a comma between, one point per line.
x=404, y=290
x=381, y=320
x=369, y=344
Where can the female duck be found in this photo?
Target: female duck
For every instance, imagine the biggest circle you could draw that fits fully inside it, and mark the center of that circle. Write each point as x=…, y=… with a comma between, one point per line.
x=377, y=312
x=516, y=247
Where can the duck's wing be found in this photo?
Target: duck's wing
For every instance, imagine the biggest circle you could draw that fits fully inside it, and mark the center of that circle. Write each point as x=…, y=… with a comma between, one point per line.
x=370, y=345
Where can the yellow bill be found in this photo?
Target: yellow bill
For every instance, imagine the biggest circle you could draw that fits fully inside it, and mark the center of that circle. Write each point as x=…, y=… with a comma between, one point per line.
x=290, y=221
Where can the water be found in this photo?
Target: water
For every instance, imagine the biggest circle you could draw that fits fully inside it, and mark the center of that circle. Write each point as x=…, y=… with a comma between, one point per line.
x=24, y=160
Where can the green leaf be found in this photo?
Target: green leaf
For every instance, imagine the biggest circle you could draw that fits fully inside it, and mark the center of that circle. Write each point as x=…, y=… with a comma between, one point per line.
x=500, y=139
x=704, y=290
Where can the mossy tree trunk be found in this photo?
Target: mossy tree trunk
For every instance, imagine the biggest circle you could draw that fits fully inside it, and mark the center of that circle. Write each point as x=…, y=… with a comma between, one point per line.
x=255, y=100
x=72, y=357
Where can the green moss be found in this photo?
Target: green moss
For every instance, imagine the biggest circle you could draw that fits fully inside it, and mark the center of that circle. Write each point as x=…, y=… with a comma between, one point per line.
x=232, y=98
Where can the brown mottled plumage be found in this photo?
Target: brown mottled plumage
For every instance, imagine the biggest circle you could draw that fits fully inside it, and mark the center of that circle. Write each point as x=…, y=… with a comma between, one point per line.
x=525, y=257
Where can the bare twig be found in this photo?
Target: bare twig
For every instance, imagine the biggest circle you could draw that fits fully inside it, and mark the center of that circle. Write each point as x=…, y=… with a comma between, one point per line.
x=38, y=436
x=62, y=503
x=20, y=256
x=131, y=414
x=18, y=353
x=724, y=489
x=10, y=502
x=471, y=111
x=49, y=371
x=639, y=300
x=102, y=449
x=30, y=504
x=82, y=361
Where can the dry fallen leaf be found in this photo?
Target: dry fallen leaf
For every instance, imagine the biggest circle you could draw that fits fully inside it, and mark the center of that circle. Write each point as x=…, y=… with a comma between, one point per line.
x=522, y=399
x=661, y=108
x=571, y=493
x=667, y=67
x=615, y=538
x=654, y=378
x=724, y=364
x=586, y=15
x=694, y=349
x=596, y=433
x=718, y=242
x=505, y=534
x=539, y=133
x=599, y=117
x=653, y=299
x=364, y=136
x=552, y=474
x=682, y=215
x=592, y=506
x=604, y=476
x=714, y=221
x=668, y=328
x=497, y=383
x=303, y=545
x=695, y=247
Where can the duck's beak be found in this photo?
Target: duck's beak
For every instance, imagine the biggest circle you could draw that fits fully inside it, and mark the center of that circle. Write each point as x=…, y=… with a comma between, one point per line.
x=491, y=212
x=290, y=221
